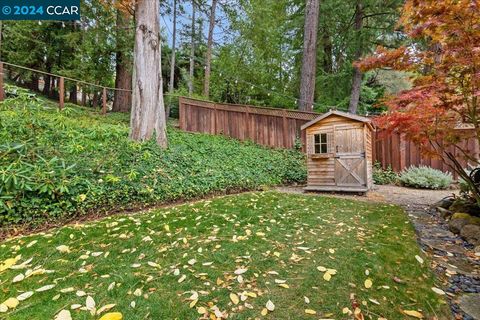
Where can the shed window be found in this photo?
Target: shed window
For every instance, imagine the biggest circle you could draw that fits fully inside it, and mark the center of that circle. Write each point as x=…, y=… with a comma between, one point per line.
x=321, y=143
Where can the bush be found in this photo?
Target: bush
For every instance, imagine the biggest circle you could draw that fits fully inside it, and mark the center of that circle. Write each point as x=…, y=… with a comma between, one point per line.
x=55, y=164
x=424, y=177
x=383, y=176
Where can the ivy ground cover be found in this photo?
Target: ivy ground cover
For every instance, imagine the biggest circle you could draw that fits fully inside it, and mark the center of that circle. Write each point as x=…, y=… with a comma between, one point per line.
x=55, y=166
x=263, y=255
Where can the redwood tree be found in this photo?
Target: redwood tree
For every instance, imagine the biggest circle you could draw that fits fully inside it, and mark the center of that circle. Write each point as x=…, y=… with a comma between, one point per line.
x=148, y=110
x=122, y=101
x=309, y=60
x=444, y=60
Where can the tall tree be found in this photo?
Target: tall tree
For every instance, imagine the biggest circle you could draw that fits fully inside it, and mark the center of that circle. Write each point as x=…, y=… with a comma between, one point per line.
x=192, y=51
x=172, y=63
x=122, y=101
x=208, y=63
x=309, y=61
x=148, y=110
x=357, y=73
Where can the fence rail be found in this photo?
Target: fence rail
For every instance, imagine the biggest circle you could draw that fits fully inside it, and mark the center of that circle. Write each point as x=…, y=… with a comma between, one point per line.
x=280, y=128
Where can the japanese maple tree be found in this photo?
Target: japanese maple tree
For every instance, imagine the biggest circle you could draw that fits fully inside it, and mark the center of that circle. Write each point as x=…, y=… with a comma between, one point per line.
x=443, y=59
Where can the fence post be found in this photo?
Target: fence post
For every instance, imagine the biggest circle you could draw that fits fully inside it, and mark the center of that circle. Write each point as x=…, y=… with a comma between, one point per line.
x=61, y=93
x=2, y=92
x=285, y=128
x=104, y=101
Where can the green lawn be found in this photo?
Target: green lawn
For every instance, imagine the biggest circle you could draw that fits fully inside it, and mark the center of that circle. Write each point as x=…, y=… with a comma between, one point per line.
x=177, y=262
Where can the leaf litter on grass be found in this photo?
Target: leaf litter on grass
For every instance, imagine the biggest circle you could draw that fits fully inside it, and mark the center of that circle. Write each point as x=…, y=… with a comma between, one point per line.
x=252, y=255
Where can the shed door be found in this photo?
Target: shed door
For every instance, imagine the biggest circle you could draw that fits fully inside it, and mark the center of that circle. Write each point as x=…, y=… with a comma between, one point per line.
x=350, y=162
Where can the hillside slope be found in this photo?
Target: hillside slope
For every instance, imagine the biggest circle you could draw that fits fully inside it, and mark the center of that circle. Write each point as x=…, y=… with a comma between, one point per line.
x=58, y=164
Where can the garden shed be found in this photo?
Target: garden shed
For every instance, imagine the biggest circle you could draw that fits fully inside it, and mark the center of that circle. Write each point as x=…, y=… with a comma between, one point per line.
x=339, y=152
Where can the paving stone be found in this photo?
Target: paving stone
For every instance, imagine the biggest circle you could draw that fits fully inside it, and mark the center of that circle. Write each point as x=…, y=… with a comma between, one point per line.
x=470, y=304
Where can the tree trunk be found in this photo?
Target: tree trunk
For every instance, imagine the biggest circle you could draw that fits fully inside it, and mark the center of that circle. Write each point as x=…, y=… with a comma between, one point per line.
x=95, y=100
x=122, y=100
x=192, y=53
x=148, y=110
x=172, y=63
x=208, y=64
x=46, y=85
x=84, y=97
x=309, y=61
x=73, y=94
x=357, y=73
x=327, y=52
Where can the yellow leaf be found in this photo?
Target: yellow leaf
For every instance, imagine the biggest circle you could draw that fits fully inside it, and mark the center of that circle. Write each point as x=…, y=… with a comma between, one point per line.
x=166, y=227
x=112, y=316
x=234, y=298
x=368, y=283
x=284, y=285
x=193, y=303
x=310, y=311
x=264, y=312
x=321, y=269
x=413, y=313
x=63, y=249
x=11, y=303
x=8, y=263
x=202, y=310
x=327, y=276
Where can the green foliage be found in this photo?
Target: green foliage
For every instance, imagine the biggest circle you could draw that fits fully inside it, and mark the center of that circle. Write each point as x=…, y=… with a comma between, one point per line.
x=55, y=164
x=383, y=176
x=424, y=177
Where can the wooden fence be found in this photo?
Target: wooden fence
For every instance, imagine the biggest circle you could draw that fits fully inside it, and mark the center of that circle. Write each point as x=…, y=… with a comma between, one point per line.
x=396, y=151
x=277, y=128
x=280, y=128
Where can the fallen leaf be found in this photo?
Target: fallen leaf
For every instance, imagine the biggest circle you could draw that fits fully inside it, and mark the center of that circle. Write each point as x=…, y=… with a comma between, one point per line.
x=270, y=306
x=419, y=259
x=112, y=316
x=240, y=271
x=63, y=249
x=105, y=308
x=63, y=315
x=413, y=313
x=234, y=298
x=438, y=291
x=310, y=311
x=11, y=303
x=18, y=278
x=45, y=288
x=368, y=283
x=25, y=295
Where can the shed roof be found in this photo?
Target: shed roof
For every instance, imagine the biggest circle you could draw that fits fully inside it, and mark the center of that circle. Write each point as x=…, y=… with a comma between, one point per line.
x=340, y=114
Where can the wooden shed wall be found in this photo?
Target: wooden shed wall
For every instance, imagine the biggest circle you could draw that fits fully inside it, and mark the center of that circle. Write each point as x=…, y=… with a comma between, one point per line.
x=321, y=171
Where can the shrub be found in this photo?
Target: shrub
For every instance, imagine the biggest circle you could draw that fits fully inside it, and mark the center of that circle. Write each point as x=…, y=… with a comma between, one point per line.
x=55, y=164
x=383, y=176
x=424, y=177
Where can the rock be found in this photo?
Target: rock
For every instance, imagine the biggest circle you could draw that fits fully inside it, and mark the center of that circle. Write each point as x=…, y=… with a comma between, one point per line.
x=461, y=205
x=456, y=225
x=444, y=213
x=444, y=203
x=463, y=215
x=469, y=304
x=460, y=219
x=471, y=233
